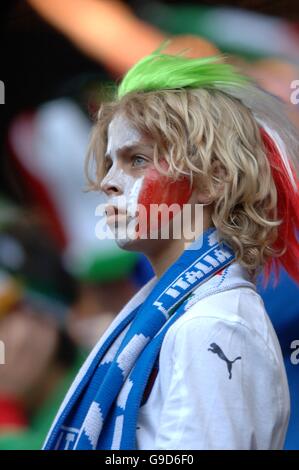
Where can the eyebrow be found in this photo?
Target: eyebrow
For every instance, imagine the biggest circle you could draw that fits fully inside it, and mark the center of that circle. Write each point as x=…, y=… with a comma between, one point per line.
x=131, y=148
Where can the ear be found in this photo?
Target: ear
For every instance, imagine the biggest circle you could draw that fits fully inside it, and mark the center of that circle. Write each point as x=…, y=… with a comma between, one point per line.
x=202, y=194
x=218, y=171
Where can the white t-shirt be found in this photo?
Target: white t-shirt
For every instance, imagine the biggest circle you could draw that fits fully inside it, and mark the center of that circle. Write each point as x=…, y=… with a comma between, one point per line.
x=202, y=400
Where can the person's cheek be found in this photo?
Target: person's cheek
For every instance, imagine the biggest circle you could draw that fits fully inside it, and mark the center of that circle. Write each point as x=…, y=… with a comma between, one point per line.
x=160, y=190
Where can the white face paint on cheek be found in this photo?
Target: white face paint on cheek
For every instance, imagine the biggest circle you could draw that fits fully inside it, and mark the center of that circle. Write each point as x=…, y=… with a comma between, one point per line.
x=132, y=197
x=122, y=134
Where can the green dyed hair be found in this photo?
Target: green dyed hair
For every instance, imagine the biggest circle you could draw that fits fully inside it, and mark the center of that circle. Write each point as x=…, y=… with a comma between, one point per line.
x=159, y=71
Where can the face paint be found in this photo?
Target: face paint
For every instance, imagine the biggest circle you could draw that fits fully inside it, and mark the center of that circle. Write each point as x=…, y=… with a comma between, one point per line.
x=161, y=190
x=120, y=135
x=135, y=193
x=129, y=187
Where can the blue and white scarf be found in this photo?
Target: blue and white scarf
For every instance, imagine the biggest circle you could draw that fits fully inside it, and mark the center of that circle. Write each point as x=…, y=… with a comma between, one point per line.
x=100, y=410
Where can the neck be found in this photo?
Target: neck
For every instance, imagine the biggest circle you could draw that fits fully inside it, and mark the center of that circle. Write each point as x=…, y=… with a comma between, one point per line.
x=166, y=256
x=169, y=251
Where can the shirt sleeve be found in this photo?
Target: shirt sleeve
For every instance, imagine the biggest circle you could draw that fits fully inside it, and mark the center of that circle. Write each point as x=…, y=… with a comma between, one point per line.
x=220, y=388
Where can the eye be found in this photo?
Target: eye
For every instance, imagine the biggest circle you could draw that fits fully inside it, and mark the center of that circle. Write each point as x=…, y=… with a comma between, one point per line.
x=138, y=160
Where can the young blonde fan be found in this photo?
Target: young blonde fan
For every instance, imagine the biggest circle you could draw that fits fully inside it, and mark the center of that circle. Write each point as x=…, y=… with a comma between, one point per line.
x=192, y=361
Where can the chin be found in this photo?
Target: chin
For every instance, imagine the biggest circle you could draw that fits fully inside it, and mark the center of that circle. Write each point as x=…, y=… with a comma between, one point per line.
x=132, y=244
x=146, y=246
x=125, y=244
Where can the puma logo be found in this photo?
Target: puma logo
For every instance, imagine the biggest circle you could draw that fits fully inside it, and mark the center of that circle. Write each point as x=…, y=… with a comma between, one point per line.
x=214, y=348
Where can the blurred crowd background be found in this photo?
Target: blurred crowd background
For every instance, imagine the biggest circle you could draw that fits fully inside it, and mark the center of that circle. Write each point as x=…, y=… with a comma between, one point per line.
x=60, y=286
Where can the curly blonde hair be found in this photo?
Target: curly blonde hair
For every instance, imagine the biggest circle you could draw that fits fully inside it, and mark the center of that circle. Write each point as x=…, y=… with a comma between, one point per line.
x=195, y=128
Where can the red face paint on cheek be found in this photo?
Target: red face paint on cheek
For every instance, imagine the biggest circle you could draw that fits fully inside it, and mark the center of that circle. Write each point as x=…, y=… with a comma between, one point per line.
x=158, y=189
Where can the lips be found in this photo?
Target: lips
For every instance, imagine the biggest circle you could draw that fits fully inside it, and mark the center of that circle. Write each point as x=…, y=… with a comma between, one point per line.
x=116, y=219
x=114, y=210
x=115, y=215
x=111, y=210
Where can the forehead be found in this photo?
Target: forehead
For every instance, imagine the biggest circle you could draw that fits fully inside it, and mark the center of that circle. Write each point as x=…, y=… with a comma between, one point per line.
x=121, y=133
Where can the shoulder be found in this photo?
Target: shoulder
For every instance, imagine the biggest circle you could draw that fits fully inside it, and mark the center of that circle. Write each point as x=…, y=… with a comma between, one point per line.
x=235, y=320
x=240, y=308
x=230, y=298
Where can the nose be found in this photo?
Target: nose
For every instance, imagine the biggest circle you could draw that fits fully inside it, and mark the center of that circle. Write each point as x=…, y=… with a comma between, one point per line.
x=110, y=186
